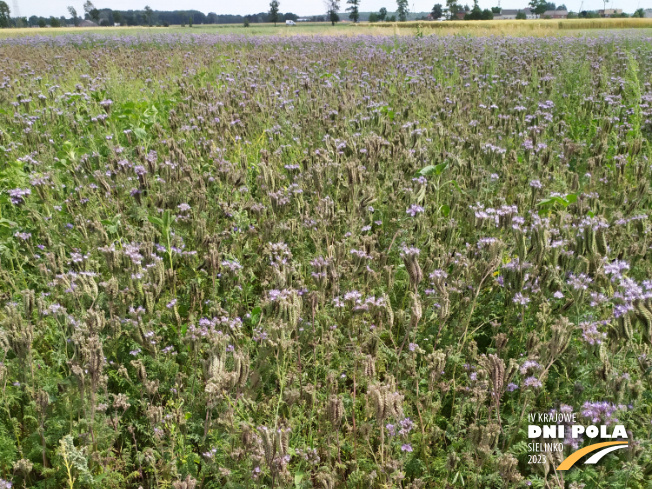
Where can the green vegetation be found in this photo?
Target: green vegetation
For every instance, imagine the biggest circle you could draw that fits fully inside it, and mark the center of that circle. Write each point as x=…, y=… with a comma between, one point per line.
x=233, y=261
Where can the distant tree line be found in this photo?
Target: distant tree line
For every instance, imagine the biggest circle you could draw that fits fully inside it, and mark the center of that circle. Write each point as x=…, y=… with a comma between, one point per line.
x=108, y=17
x=144, y=17
x=150, y=17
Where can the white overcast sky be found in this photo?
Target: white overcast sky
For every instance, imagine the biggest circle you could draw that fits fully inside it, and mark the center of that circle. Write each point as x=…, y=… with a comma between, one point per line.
x=57, y=8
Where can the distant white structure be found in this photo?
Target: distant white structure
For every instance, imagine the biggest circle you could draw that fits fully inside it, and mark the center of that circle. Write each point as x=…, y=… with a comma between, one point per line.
x=289, y=22
x=510, y=14
x=610, y=12
x=648, y=13
x=555, y=14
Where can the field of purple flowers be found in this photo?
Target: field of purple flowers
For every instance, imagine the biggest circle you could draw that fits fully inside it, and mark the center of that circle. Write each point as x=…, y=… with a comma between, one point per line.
x=321, y=261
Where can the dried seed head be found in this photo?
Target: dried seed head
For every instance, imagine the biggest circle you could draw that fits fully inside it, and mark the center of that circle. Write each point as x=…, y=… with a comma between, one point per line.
x=140, y=369
x=335, y=410
x=508, y=468
x=500, y=340
x=386, y=401
x=187, y=483
x=417, y=311
x=561, y=335
x=94, y=358
x=20, y=334
x=495, y=367
x=42, y=401
x=369, y=367
x=28, y=302
x=326, y=480
x=23, y=466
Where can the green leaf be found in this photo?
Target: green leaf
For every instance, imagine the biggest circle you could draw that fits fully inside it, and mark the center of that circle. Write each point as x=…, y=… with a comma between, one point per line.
x=167, y=220
x=428, y=170
x=388, y=112
x=457, y=186
x=7, y=223
x=298, y=478
x=157, y=221
x=140, y=132
x=445, y=210
x=553, y=200
x=151, y=111
x=255, y=314
x=433, y=169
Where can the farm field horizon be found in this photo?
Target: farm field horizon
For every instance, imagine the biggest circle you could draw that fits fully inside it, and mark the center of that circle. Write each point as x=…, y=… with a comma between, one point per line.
x=536, y=27
x=314, y=257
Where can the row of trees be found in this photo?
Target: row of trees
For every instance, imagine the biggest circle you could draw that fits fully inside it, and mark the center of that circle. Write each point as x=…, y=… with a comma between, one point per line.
x=333, y=7
x=538, y=7
x=147, y=16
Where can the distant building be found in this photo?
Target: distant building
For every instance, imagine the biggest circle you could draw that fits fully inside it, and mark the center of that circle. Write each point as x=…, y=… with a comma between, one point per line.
x=610, y=12
x=510, y=14
x=87, y=23
x=648, y=13
x=555, y=14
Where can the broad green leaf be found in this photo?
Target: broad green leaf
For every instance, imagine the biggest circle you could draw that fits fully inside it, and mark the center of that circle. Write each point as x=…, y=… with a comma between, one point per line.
x=157, y=221
x=140, y=132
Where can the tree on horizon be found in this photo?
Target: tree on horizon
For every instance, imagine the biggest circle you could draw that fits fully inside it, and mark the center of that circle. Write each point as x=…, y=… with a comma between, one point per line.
x=402, y=10
x=354, y=10
x=437, y=11
x=273, y=11
x=73, y=13
x=5, y=14
x=332, y=7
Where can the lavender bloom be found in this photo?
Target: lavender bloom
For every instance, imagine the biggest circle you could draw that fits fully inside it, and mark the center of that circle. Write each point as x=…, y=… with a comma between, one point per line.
x=529, y=365
x=616, y=269
x=601, y=412
x=409, y=251
x=414, y=209
x=232, y=265
x=579, y=282
x=406, y=425
x=532, y=382
x=17, y=195
x=511, y=387
x=536, y=184
x=591, y=334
